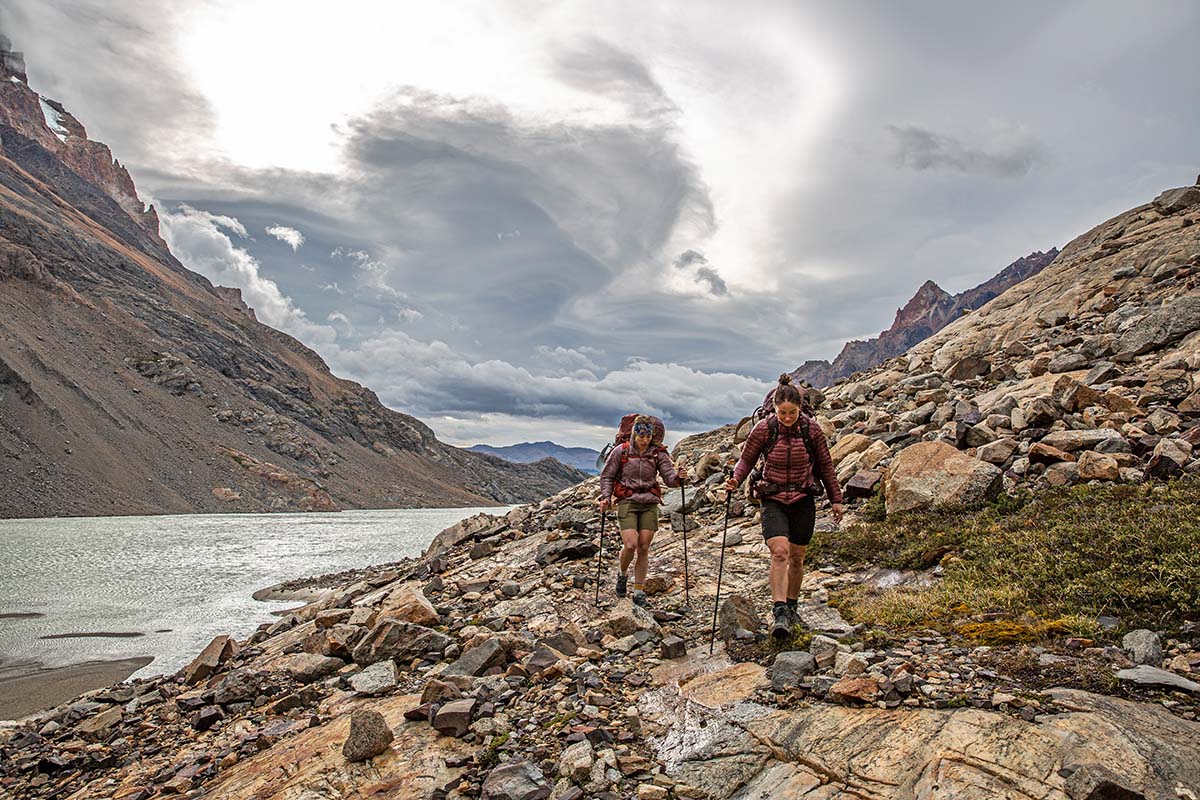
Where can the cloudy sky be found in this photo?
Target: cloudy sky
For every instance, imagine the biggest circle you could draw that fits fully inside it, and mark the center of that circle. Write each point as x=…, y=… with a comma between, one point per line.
x=518, y=220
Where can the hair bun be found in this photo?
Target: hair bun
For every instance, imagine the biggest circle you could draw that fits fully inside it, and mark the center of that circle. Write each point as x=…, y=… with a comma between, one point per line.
x=785, y=379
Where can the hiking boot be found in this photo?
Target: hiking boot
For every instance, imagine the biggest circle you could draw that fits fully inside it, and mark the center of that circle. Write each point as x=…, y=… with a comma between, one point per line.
x=782, y=627
x=622, y=583
x=639, y=598
x=793, y=616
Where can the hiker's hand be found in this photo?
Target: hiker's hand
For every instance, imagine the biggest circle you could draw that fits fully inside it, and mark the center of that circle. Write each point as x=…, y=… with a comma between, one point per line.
x=603, y=503
x=683, y=476
x=731, y=484
x=837, y=511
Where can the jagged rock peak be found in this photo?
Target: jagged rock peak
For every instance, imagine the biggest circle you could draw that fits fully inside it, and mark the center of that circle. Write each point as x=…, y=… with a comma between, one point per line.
x=12, y=63
x=929, y=310
x=48, y=124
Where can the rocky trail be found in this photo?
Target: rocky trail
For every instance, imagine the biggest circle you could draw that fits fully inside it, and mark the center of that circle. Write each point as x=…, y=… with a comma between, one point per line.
x=484, y=669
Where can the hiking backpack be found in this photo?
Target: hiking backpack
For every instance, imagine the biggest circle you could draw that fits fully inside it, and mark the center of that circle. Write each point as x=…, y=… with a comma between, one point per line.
x=767, y=411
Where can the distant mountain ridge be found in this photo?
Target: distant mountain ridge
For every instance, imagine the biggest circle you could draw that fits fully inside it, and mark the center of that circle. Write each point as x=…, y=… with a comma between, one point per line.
x=581, y=458
x=930, y=309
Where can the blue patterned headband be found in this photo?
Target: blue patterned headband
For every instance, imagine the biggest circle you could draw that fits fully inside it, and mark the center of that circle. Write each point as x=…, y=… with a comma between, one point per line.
x=643, y=429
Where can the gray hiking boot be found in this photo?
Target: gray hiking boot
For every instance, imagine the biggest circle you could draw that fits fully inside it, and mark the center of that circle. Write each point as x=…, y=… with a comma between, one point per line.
x=782, y=627
x=622, y=584
x=639, y=598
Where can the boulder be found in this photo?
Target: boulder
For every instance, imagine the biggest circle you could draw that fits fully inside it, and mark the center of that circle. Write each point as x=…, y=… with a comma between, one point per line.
x=241, y=685
x=1143, y=647
x=1169, y=458
x=863, y=688
x=1071, y=441
x=673, y=647
x=1040, y=412
x=1175, y=200
x=217, y=652
x=789, y=667
x=309, y=667
x=1042, y=453
x=369, y=736
x=479, y=659
x=570, y=549
x=1167, y=325
x=934, y=474
x=1071, y=395
x=1067, y=362
x=515, y=781
x=737, y=613
x=824, y=650
x=997, y=452
x=335, y=642
x=392, y=638
x=850, y=444
x=409, y=604
x=1165, y=386
x=575, y=763
x=454, y=719
x=1097, y=466
x=375, y=679
x=969, y=367
x=862, y=484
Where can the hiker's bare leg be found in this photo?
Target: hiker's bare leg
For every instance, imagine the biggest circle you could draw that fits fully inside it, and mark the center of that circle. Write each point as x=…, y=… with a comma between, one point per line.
x=780, y=561
x=795, y=570
x=629, y=542
x=643, y=557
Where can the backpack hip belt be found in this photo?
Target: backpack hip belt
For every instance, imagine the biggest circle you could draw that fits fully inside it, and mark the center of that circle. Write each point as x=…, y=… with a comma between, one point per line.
x=769, y=489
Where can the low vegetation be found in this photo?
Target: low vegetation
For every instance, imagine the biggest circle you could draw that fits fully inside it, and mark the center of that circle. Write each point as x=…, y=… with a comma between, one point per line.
x=1033, y=568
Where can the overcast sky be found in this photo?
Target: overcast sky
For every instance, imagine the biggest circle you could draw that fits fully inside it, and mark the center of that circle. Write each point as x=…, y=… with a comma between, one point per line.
x=520, y=220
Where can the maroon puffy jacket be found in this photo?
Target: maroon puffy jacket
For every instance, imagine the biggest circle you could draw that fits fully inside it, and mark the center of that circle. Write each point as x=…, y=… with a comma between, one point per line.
x=638, y=475
x=788, y=461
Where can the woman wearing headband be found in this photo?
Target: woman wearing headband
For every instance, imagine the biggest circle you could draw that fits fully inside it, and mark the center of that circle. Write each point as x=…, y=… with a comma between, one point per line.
x=630, y=480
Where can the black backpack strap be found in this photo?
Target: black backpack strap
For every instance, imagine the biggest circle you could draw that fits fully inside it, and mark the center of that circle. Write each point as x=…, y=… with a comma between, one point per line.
x=772, y=437
x=806, y=434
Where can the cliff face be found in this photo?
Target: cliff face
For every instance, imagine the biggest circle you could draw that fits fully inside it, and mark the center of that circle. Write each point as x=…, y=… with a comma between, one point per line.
x=133, y=385
x=929, y=310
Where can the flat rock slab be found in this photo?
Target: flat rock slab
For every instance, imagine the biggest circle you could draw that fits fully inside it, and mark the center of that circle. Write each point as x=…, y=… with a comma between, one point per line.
x=730, y=685
x=750, y=751
x=1146, y=675
x=824, y=619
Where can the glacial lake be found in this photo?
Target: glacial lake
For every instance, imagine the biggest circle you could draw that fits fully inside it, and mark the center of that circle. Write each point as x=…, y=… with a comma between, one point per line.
x=177, y=580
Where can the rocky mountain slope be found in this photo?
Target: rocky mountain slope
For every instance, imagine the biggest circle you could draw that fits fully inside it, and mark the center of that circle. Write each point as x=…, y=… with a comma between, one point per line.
x=131, y=385
x=581, y=458
x=929, y=310
x=487, y=668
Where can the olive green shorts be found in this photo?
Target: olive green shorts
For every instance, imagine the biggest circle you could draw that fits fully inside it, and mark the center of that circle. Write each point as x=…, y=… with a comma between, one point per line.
x=637, y=516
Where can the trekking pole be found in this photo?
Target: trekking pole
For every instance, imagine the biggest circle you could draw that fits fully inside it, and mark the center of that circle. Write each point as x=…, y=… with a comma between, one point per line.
x=720, y=572
x=600, y=553
x=687, y=601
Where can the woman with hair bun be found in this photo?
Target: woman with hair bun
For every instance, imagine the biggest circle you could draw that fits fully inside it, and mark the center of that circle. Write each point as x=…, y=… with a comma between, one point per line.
x=796, y=461
x=629, y=480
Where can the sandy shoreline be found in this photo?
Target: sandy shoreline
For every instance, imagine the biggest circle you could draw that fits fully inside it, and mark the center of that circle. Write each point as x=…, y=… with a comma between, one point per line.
x=28, y=688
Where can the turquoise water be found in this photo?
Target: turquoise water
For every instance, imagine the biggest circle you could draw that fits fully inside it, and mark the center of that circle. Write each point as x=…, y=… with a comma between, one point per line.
x=177, y=580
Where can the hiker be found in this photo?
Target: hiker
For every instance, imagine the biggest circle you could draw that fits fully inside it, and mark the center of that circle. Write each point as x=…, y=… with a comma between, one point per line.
x=788, y=489
x=630, y=481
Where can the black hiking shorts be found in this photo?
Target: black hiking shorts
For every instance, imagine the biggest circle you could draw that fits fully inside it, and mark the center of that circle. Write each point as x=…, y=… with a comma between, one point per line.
x=795, y=520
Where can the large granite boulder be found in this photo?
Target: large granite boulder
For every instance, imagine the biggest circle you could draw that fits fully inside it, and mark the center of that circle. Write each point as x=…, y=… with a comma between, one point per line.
x=935, y=474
